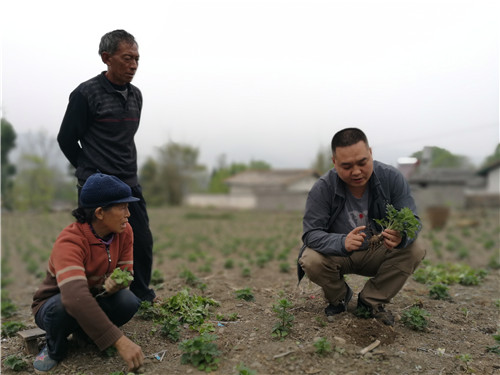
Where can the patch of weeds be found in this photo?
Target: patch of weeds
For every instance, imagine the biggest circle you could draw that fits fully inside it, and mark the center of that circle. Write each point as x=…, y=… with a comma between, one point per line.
x=229, y=264
x=191, y=279
x=494, y=262
x=15, y=363
x=243, y=370
x=170, y=327
x=495, y=348
x=227, y=318
x=439, y=291
x=415, y=318
x=363, y=312
x=284, y=267
x=8, y=307
x=157, y=278
x=245, y=272
x=449, y=274
x=9, y=329
x=285, y=319
x=201, y=352
x=321, y=322
x=245, y=294
x=466, y=359
x=110, y=351
x=322, y=346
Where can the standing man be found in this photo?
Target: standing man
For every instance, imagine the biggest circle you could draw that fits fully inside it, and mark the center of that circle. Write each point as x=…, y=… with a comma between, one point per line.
x=97, y=134
x=338, y=222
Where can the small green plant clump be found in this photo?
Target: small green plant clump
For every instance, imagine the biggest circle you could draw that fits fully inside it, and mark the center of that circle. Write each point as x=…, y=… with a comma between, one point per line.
x=439, y=291
x=495, y=348
x=15, y=363
x=9, y=329
x=285, y=318
x=245, y=294
x=186, y=308
x=201, y=352
x=122, y=277
x=323, y=346
x=449, y=274
x=415, y=318
x=403, y=221
x=243, y=370
x=8, y=307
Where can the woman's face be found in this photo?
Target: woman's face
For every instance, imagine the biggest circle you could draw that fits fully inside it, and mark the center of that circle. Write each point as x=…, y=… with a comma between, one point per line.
x=112, y=220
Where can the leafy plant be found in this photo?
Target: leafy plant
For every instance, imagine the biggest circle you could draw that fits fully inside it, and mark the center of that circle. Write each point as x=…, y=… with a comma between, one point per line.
x=439, y=291
x=243, y=370
x=245, y=294
x=495, y=348
x=201, y=352
x=403, y=221
x=285, y=322
x=415, y=318
x=122, y=277
x=170, y=327
x=323, y=346
x=157, y=277
x=15, y=363
x=9, y=329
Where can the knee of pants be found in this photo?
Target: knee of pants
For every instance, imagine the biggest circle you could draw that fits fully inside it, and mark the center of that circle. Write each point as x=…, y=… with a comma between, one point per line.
x=122, y=306
x=312, y=263
x=417, y=253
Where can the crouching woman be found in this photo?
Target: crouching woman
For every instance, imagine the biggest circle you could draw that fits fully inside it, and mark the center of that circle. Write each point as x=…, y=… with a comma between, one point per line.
x=78, y=295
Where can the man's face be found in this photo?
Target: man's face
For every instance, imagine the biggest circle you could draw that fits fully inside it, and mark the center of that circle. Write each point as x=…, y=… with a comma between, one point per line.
x=123, y=64
x=354, y=165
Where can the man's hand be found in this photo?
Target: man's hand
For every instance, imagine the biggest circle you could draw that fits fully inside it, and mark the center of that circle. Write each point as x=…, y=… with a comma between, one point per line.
x=130, y=352
x=355, y=239
x=392, y=238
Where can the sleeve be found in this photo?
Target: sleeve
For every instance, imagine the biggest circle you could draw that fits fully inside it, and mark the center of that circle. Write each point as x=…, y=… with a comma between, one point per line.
x=317, y=221
x=73, y=126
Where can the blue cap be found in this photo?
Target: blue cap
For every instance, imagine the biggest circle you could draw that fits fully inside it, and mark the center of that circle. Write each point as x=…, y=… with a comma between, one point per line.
x=101, y=190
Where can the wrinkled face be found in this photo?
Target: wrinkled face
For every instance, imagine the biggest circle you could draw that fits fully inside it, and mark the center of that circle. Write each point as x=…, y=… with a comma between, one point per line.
x=354, y=165
x=114, y=220
x=123, y=64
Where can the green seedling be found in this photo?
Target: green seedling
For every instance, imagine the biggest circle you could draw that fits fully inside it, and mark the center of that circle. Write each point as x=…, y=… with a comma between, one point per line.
x=403, y=221
x=245, y=294
x=323, y=346
x=415, y=318
x=170, y=327
x=201, y=352
x=9, y=329
x=243, y=370
x=122, y=277
x=285, y=318
x=157, y=277
x=495, y=348
x=15, y=363
x=439, y=291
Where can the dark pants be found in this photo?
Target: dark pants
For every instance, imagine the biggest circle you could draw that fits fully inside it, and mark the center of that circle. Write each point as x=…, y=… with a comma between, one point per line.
x=143, y=245
x=58, y=324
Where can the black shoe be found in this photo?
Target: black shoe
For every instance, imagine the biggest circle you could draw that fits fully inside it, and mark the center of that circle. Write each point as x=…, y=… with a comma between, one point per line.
x=363, y=310
x=342, y=306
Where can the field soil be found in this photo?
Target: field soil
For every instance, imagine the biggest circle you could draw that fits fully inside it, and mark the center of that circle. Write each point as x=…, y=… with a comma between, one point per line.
x=232, y=250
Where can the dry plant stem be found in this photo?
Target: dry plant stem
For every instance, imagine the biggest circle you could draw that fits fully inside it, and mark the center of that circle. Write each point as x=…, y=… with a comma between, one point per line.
x=283, y=354
x=370, y=347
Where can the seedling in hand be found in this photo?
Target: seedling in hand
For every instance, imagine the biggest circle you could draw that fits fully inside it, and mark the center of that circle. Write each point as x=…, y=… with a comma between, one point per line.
x=403, y=221
x=122, y=277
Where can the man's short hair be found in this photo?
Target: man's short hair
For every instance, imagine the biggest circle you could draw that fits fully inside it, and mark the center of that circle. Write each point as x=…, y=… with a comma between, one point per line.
x=348, y=137
x=110, y=42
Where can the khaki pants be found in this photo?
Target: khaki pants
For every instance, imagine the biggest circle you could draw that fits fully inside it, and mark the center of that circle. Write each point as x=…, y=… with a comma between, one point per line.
x=388, y=269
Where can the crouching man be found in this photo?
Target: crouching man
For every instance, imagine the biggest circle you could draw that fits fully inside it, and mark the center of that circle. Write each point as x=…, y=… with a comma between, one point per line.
x=338, y=223
x=78, y=295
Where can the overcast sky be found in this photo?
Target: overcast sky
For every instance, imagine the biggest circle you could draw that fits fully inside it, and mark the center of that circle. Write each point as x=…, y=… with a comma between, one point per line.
x=270, y=80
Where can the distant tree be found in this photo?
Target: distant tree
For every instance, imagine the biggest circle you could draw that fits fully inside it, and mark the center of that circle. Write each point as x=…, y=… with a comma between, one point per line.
x=8, y=139
x=323, y=161
x=34, y=185
x=493, y=158
x=219, y=175
x=440, y=157
x=174, y=173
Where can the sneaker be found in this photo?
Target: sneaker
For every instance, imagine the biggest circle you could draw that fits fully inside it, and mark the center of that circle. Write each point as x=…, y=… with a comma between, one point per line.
x=331, y=310
x=363, y=310
x=43, y=363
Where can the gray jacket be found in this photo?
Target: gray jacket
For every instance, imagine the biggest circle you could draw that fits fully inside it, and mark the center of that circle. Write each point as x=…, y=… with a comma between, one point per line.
x=327, y=198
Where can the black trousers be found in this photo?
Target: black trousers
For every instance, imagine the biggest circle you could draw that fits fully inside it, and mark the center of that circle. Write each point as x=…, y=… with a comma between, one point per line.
x=143, y=245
